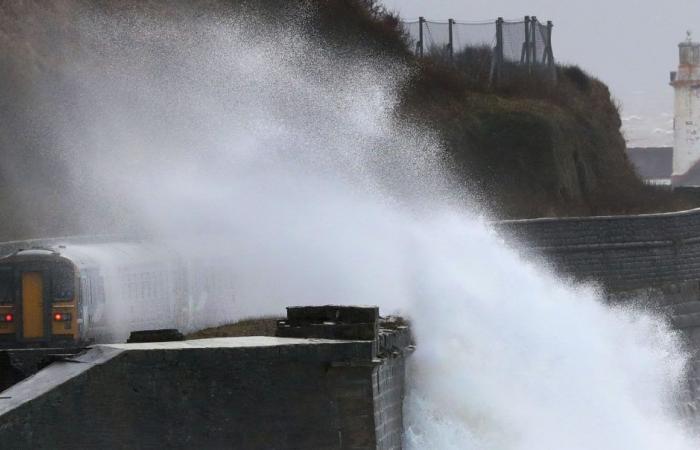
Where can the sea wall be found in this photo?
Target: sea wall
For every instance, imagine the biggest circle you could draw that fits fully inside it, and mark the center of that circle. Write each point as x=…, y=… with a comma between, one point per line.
x=622, y=252
x=249, y=392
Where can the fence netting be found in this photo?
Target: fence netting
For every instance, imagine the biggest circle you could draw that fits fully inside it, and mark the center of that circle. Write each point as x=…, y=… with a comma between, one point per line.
x=541, y=46
x=514, y=42
x=482, y=47
x=412, y=30
x=477, y=34
x=436, y=36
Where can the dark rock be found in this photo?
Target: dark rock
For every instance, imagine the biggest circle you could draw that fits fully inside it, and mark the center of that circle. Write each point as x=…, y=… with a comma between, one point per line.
x=165, y=335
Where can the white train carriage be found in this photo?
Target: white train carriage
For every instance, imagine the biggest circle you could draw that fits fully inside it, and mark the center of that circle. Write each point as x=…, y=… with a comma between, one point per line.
x=60, y=293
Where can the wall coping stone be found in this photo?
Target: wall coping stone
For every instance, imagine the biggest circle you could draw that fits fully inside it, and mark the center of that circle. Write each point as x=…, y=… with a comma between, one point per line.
x=686, y=212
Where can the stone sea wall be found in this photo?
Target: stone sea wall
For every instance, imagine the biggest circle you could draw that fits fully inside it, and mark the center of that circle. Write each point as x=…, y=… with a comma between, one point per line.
x=342, y=391
x=622, y=252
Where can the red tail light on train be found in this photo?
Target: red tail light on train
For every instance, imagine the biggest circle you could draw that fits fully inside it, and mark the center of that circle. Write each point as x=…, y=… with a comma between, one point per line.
x=9, y=317
x=61, y=317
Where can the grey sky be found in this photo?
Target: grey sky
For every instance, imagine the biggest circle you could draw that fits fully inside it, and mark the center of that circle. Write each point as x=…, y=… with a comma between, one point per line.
x=629, y=44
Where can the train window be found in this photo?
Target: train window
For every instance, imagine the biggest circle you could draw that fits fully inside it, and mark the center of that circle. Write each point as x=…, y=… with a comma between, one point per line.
x=63, y=283
x=6, y=286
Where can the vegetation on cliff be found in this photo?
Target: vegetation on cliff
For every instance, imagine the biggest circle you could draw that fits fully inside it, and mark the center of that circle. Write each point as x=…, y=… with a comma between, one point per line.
x=527, y=147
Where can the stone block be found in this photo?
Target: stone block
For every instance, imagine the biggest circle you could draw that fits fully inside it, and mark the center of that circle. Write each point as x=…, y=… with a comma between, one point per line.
x=332, y=313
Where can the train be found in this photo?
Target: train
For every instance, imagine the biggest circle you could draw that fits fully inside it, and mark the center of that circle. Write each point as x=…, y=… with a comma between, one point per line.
x=74, y=292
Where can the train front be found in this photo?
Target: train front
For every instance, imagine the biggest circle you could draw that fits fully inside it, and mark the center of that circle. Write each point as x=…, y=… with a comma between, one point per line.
x=38, y=300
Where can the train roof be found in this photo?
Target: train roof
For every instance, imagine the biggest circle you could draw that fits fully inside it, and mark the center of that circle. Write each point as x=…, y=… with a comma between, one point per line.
x=86, y=252
x=9, y=247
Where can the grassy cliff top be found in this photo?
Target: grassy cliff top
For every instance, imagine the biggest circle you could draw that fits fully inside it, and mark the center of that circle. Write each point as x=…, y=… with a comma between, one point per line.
x=525, y=147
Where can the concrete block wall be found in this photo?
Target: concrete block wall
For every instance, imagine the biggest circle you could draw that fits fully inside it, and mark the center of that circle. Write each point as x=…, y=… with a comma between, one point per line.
x=388, y=384
x=623, y=252
x=386, y=375
x=176, y=396
x=247, y=393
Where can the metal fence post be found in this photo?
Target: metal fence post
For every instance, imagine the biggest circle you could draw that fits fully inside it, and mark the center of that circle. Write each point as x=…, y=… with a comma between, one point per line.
x=533, y=40
x=525, y=54
x=549, y=53
x=451, y=22
x=497, y=58
x=421, y=21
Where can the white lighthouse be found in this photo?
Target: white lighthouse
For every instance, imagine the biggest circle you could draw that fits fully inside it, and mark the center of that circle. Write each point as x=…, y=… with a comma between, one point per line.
x=686, y=120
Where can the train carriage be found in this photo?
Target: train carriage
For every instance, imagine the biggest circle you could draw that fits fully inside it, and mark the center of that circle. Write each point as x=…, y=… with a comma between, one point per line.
x=66, y=295
x=39, y=299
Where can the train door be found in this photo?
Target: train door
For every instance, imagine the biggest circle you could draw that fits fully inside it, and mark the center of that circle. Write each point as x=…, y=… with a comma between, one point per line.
x=32, y=305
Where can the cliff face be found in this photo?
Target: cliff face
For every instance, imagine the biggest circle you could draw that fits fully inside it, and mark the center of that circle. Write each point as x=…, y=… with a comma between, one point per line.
x=561, y=153
x=524, y=148
x=532, y=148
